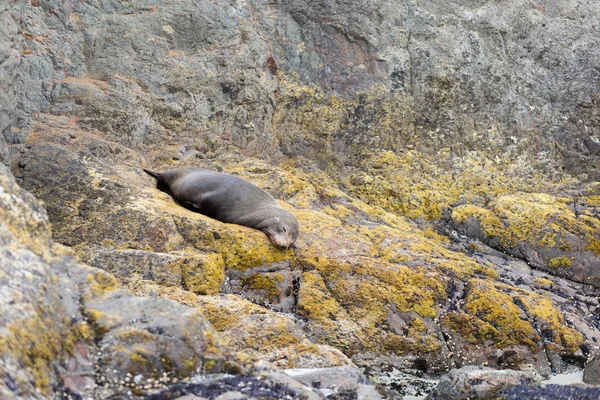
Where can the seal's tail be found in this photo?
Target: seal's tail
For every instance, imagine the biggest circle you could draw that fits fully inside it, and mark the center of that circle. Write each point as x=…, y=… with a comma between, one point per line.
x=155, y=175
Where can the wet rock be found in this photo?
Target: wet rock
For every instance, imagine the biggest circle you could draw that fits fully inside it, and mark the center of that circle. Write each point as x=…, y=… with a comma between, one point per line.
x=474, y=382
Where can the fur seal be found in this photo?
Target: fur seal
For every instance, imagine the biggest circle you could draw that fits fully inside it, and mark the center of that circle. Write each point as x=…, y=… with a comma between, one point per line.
x=229, y=199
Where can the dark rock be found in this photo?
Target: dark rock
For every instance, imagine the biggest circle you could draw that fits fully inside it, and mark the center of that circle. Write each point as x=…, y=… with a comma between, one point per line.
x=268, y=385
x=547, y=392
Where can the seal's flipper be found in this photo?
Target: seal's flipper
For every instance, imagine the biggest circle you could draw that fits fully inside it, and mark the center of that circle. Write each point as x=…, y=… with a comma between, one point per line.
x=155, y=175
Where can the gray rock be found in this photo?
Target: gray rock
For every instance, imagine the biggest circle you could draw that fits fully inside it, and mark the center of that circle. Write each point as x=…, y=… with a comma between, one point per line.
x=152, y=337
x=69, y=327
x=10, y=57
x=263, y=385
x=591, y=372
x=337, y=381
x=473, y=382
x=554, y=392
x=211, y=66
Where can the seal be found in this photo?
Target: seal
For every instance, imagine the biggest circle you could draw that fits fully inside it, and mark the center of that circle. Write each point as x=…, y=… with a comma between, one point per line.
x=229, y=199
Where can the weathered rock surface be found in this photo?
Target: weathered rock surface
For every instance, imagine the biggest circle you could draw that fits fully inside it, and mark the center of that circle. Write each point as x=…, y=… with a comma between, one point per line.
x=265, y=385
x=338, y=382
x=380, y=124
x=591, y=372
x=554, y=392
x=68, y=327
x=473, y=382
x=10, y=57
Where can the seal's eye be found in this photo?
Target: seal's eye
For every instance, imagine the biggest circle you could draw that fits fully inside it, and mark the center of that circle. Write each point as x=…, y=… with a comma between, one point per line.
x=283, y=227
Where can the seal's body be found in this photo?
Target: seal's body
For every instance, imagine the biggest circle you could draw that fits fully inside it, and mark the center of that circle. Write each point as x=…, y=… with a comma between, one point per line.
x=230, y=199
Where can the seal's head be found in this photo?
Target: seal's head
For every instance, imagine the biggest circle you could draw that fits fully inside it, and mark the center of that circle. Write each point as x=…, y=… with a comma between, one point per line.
x=282, y=228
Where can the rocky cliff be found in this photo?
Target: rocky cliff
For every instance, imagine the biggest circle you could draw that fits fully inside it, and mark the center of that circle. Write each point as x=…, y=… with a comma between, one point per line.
x=441, y=158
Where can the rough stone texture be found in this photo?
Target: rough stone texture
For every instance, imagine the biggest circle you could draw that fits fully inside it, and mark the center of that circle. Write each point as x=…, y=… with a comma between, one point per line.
x=473, y=382
x=266, y=385
x=380, y=124
x=361, y=278
x=10, y=57
x=253, y=331
x=338, y=382
x=521, y=78
x=554, y=392
x=591, y=372
x=563, y=239
x=68, y=327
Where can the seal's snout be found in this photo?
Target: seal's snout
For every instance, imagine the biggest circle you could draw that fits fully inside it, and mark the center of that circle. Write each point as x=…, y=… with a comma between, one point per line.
x=282, y=240
x=288, y=240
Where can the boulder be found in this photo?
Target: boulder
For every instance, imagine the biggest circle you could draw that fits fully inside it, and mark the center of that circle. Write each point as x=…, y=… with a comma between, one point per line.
x=591, y=372
x=476, y=382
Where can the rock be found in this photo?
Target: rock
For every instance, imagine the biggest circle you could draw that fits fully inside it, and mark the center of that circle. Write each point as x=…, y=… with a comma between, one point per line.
x=591, y=372
x=266, y=385
x=337, y=382
x=539, y=229
x=10, y=57
x=554, y=392
x=152, y=337
x=380, y=124
x=256, y=332
x=473, y=382
x=69, y=327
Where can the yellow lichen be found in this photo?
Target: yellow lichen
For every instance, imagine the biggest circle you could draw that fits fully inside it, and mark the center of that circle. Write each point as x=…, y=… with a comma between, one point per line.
x=204, y=276
x=559, y=262
x=101, y=283
x=469, y=327
x=493, y=305
x=37, y=343
x=267, y=283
